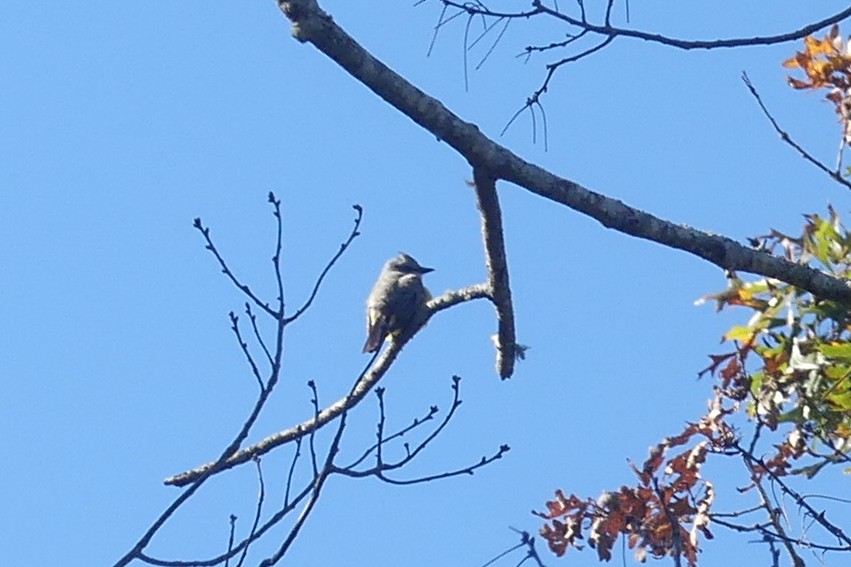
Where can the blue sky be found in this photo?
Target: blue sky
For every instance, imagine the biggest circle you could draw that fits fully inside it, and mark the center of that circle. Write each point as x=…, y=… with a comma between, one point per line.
x=121, y=123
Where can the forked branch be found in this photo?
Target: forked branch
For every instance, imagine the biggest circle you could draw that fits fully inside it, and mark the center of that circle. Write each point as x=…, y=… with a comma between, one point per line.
x=311, y=24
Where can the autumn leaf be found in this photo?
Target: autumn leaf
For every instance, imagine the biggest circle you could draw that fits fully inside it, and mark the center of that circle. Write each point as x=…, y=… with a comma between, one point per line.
x=827, y=64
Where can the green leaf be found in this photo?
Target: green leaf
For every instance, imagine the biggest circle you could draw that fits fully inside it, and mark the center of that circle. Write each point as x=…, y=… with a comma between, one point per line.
x=841, y=400
x=837, y=351
x=740, y=333
x=837, y=371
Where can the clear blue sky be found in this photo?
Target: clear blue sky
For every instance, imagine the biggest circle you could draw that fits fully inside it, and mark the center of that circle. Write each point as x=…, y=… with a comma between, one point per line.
x=121, y=122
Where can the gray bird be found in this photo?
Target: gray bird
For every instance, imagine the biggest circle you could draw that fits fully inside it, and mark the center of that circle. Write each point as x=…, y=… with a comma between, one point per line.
x=396, y=300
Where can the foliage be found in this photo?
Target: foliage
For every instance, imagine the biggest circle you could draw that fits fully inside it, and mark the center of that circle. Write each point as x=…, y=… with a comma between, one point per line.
x=799, y=394
x=827, y=64
x=801, y=346
x=787, y=376
x=651, y=515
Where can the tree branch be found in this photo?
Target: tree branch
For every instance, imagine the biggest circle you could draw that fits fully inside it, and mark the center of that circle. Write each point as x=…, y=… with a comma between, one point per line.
x=311, y=24
x=686, y=44
x=607, y=30
x=500, y=290
x=367, y=380
x=835, y=175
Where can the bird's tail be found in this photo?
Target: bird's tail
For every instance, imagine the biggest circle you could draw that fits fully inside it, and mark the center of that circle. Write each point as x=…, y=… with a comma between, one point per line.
x=374, y=338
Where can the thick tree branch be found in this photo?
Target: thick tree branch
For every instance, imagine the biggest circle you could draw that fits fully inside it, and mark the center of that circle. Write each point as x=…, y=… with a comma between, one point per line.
x=311, y=24
x=497, y=265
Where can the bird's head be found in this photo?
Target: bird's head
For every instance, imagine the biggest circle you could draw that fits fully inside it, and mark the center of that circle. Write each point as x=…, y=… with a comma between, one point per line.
x=407, y=265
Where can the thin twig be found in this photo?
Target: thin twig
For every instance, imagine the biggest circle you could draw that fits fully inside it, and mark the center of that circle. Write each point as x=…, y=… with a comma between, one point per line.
x=418, y=422
x=276, y=258
x=205, y=232
x=352, y=235
x=485, y=461
x=230, y=539
x=773, y=516
x=551, y=70
x=318, y=484
x=611, y=31
x=381, y=467
x=835, y=175
x=243, y=346
x=676, y=535
x=311, y=440
x=494, y=44
x=257, y=336
x=296, y=455
x=261, y=497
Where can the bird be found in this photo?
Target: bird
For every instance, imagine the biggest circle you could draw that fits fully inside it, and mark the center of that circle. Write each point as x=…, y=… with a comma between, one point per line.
x=396, y=301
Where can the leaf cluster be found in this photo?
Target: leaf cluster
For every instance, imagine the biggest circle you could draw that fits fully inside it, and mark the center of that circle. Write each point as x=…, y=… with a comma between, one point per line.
x=826, y=63
x=787, y=374
x=801, y=347
x=663, y=514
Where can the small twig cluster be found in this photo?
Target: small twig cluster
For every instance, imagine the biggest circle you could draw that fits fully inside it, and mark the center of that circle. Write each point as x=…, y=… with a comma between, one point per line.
x=584, y=34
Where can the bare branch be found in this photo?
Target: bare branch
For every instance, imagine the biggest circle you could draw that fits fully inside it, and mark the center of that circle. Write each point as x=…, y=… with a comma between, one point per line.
x=611, y=31
x=485, y=461
x=198, y=480
x=243, y=346
x=276, y=259
x=530, y=49
x=311, y=439
x=352, y=235
x=318, y=484
x=772, y=513
x=835, y=175
x=205, y=232
x=450, y=298
x=495, y=41
x=230, y=539
x=261, y=497
x=257, y=336
x=368, y=378
x=440, y=23
x=527, y=541
x=276, y=518
x=418, y=422
x=296, y=455
x=382, y=467
x=221, y=463
x=497, y=265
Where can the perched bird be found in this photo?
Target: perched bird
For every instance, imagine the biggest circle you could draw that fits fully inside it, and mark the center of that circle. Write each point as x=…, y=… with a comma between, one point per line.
x=396, y=300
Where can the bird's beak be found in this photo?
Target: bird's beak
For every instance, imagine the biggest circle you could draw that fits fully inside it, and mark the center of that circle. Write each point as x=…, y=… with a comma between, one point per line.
x=425, y=270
